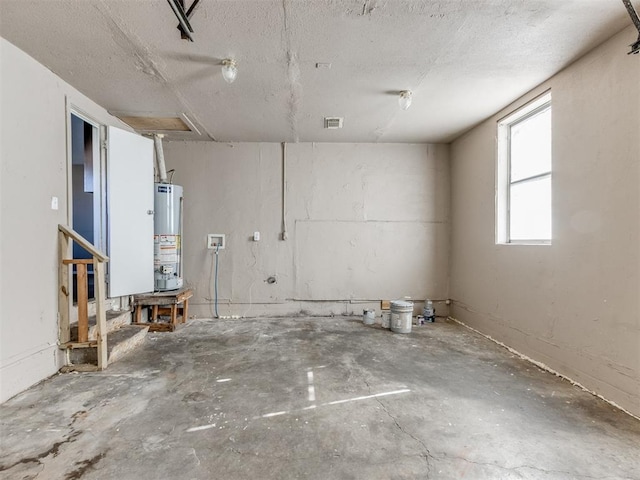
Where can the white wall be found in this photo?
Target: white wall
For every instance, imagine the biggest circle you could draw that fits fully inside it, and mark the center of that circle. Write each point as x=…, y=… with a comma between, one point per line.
x=574, y=305
x=33, y=168
x=365, y=222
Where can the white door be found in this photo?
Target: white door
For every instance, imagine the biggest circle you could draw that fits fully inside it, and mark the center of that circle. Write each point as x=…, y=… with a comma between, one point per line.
x=130, y=212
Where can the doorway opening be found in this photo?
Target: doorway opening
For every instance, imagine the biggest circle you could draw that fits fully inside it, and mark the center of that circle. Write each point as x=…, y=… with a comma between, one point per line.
x=86, y=188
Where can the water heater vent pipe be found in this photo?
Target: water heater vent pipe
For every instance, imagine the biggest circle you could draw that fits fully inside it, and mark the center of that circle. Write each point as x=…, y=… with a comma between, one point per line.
x=162, y=168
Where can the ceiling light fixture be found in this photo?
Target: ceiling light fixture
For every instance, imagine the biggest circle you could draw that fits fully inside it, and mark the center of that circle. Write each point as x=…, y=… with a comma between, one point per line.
x=229, y=70
x=405, y=99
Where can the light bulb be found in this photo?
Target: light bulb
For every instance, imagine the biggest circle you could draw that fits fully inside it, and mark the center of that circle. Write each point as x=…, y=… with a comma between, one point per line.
x=405, y=99
x=229, y=70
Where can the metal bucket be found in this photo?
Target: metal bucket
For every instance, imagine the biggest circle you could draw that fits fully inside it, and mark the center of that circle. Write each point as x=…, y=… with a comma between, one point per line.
x=401, y=314
x=369, y=317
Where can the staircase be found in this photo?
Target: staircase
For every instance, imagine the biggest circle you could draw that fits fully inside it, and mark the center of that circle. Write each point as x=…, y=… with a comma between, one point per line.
x=92, y=336
x=122, y=337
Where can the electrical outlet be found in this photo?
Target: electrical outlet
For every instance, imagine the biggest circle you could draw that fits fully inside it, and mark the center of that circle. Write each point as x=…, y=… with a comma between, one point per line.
x=216, y=241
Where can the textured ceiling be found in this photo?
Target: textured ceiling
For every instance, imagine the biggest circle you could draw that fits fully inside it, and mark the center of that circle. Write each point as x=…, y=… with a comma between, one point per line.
x=463, y=59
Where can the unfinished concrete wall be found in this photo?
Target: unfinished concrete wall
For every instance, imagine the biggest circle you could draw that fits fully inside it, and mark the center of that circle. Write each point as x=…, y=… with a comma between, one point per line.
x=574, y=305
x=33, y=169
x=364, y=222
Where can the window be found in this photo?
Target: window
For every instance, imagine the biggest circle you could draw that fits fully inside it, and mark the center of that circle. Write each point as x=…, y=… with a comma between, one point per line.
x=524, y=175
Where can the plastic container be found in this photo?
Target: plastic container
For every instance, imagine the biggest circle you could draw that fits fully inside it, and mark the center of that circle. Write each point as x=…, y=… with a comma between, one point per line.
x=369, y=317
x=429, y=312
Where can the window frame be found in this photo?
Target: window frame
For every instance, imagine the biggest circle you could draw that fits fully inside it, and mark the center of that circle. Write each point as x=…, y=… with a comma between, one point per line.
x=503, y=169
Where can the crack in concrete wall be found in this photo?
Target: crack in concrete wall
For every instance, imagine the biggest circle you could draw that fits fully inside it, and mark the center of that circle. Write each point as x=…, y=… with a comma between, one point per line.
x=294, y=99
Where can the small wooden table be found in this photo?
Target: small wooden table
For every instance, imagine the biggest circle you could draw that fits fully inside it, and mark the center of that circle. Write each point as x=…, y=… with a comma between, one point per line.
x=174, y=303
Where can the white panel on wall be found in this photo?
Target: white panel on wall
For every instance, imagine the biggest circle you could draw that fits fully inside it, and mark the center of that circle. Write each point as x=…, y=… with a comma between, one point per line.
x=130, y=212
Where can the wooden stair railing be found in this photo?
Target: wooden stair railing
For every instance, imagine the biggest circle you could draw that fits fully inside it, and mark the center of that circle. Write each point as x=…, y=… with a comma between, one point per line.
x=66, y=236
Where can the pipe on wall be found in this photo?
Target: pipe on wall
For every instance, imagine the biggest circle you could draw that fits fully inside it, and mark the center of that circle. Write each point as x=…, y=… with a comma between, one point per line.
x=162, y=168
x=283, y=235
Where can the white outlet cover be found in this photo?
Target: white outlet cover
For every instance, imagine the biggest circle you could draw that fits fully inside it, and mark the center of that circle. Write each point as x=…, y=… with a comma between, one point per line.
x=54, y=203
x=216, y=240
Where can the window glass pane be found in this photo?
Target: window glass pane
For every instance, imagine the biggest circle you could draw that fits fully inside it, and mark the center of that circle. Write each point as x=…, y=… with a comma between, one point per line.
x=531, y=146
x=530, y=210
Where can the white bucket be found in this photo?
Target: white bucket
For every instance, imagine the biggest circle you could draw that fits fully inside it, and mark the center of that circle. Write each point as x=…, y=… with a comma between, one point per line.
x=386, y=319
x=401, y=314
x=369, y=317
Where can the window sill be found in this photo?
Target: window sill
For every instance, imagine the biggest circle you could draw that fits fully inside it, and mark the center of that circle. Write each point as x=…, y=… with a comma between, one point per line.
x=527, y=242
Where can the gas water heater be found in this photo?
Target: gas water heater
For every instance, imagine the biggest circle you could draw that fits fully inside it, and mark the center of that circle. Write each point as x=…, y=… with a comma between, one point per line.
x=167, y=258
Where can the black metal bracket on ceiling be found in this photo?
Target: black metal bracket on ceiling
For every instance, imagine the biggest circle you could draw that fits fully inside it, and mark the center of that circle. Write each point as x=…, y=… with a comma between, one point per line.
x=635, y=47
x=183, y=17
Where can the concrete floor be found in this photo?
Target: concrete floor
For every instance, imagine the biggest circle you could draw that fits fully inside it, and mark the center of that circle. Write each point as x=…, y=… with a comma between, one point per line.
x=315, y=398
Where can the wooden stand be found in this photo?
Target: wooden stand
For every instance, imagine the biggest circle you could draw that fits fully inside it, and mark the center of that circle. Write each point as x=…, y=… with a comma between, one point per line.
x=174, y=303
x=66, y=237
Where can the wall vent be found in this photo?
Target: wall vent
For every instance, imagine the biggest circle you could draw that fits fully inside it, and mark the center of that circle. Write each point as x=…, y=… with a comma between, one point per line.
x=333, y=122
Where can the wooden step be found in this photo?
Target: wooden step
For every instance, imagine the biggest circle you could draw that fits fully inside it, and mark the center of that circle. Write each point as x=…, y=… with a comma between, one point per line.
x=80, y=367
x=109, y=303
x=124, y=340
x=119, y=343
x=115, y=320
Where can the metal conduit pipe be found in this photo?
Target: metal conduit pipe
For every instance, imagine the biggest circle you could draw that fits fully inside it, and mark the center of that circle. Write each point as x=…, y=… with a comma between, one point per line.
x=283, y=235
x=162, y=168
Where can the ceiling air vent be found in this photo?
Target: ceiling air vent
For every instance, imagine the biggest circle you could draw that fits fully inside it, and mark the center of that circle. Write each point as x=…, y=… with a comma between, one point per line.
x=155, y=124
x=333, y=122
